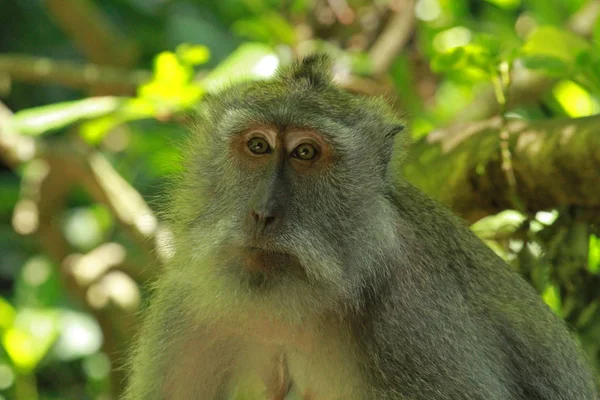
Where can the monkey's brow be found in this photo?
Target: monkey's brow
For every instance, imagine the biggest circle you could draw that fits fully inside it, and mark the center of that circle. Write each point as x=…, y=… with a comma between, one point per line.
x=236, y=120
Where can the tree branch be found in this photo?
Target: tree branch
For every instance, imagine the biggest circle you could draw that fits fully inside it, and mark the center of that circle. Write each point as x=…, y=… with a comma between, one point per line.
x=96, y=37
x=393, y=38
x=556, y=163
x=71, y=74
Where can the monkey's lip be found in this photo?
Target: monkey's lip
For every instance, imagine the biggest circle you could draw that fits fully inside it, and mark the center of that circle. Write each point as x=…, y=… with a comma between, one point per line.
x=264, y=259
x=264, y=250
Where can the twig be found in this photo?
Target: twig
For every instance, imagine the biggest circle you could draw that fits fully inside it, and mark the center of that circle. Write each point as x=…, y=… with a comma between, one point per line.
x=394, y=37
x=15, y=149
x=502, y=84
x=583, y=21
x=71, y=74
x=344, y=14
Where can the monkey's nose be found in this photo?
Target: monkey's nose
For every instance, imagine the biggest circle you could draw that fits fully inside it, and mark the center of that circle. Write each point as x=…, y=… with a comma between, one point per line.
x=264, y=218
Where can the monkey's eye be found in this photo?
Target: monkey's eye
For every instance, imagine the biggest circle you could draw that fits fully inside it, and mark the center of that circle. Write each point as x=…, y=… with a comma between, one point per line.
x=259, y=145
x=305, y=151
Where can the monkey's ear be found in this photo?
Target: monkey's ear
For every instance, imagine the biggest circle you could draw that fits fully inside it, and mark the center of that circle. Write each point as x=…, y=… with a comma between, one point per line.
x=394, y=130
x=315, y=68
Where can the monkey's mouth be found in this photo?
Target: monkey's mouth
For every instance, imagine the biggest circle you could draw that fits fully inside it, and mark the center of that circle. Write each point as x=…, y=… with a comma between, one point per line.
x=265, y=250
x=266, y=259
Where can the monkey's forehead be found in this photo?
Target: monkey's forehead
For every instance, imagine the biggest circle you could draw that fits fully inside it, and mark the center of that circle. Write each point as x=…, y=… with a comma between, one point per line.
x=284, y=104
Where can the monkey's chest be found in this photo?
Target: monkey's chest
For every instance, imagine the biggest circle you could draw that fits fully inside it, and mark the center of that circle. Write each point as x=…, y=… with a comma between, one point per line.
x=324, y=366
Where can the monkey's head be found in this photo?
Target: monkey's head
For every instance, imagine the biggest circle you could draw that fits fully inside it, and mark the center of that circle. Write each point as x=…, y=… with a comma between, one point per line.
x=286, y=183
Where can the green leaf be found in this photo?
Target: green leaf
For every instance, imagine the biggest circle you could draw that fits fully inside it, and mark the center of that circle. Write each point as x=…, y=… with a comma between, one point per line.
x=193, y=54
x=94, y=130
x=504, y=224
x=550, y=65
x=550, y=41
x=551, y=296
x=269, y=27
x=7, y=314
x=574, y=99
x=448, y=60
x=169, y=70
x=32, y=335
x=594, y=255
x=506, y=4
x=583, y=59
x=468, y=64
x=39, y=120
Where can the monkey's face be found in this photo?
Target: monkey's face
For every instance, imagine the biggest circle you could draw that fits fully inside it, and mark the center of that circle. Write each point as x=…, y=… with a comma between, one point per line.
x=289, y=182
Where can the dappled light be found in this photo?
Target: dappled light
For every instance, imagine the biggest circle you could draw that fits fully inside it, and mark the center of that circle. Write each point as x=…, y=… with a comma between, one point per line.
x=576, y=101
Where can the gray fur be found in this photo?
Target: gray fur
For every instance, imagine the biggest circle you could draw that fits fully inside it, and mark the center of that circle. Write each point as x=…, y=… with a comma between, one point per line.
x=395, y=297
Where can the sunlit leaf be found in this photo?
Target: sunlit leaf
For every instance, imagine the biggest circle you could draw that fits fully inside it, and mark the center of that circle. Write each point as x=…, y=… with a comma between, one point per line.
x=268, y=27
x=551, y=296
x=575, y=100
x=451, y=59
x=38, y=120
x=137, y=108
x=457, y=36
x=504, y=224
x=171, y=87
x=20, y=347
x=594, y=255
x=193, y=54
x=550, y=41
x=168, y=69
x=470, y=63
x=93, y=131
x=498, y=249
x=253, y=29
x=7, y=314
x=29, y=340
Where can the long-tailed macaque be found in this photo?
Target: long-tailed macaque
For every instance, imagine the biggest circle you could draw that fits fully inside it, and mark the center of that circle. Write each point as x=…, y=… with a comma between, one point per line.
x=304, y=268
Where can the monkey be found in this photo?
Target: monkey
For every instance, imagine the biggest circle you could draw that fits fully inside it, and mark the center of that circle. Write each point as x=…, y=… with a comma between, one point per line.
x=305, y=267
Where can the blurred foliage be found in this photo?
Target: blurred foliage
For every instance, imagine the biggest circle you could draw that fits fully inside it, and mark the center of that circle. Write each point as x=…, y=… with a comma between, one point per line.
x=54, y=342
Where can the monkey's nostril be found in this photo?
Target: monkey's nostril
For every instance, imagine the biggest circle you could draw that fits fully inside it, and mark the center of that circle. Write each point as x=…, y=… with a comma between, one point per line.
x=265, y=218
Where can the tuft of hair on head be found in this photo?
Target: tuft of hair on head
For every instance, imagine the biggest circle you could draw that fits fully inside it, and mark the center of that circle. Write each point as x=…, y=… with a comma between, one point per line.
x=316, y=69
